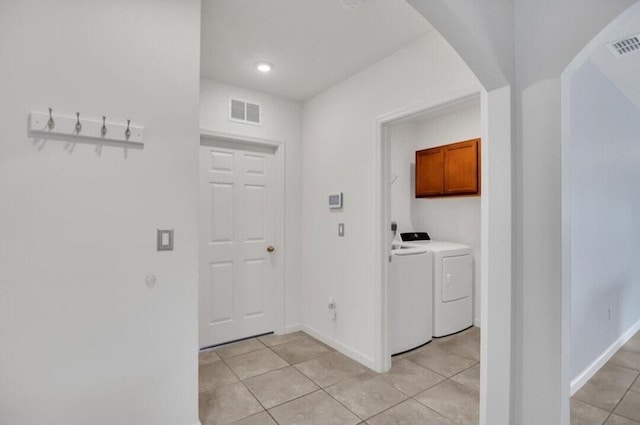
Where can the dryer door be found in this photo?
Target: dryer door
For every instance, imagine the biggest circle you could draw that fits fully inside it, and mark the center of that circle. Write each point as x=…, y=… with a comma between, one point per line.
x=457, y=277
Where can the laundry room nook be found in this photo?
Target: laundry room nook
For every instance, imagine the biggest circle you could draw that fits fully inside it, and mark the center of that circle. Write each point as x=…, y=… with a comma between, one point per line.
x=436, y=203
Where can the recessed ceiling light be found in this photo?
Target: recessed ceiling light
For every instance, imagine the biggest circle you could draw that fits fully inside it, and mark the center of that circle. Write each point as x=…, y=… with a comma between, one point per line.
x=264, y=67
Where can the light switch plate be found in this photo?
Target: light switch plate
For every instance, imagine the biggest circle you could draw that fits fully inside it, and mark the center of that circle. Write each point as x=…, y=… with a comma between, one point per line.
x=341, y=229
x=335, y=201
x=165, y=240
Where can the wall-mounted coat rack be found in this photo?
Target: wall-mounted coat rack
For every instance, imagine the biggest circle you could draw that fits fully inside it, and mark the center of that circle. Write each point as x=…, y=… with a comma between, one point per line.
x=43, y=124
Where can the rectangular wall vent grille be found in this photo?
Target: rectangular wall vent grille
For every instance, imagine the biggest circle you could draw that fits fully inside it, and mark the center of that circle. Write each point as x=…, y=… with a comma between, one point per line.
x=626, y=46
x=244, y=111
x=253, y=113
x=237, y=110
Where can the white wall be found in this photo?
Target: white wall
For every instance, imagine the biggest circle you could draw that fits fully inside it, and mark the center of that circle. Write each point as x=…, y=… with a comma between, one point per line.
x=339, y=155
x=604, y=161
x=281, y=121
x=455, y=219
x=83, y=339
x=402, y=137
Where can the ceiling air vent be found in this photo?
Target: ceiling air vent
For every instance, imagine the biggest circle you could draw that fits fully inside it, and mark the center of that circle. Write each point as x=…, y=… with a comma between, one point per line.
x=623, y=47
x=244, y=111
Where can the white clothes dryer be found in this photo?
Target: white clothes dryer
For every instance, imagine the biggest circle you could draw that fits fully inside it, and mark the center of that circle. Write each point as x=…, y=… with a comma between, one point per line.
x=452, y=283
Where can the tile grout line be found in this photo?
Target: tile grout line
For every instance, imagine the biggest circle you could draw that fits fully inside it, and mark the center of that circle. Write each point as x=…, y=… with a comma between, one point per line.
x=294, y=399
x=459, y=355
x=244, y=385
x=615, y=407
x=343, y=405
x=261, y=405
x=260, y=374
x=627, y=391
x=462, y=371
x=372, y=416
x=440, y=374
x=274, y=419
x=434, y=410
x=241, y=354
x=625, y=394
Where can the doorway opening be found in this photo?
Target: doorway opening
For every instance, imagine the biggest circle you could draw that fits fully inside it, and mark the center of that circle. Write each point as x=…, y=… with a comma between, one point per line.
x=600, y=159
x=456, y=219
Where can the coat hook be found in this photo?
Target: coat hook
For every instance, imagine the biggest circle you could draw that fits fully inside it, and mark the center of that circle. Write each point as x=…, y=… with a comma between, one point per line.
x=127, y=132
x=103, y=130
x=78, y=125
x=51, y=122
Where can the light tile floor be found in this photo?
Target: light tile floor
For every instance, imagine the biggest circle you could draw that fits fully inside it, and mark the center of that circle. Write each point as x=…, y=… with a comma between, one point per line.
x=612, y=396
x=295, y=379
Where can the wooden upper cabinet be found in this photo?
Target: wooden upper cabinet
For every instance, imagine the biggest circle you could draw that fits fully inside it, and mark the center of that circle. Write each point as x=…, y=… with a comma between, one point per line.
x=449, y=170
x=429, y=175
x=461, y=168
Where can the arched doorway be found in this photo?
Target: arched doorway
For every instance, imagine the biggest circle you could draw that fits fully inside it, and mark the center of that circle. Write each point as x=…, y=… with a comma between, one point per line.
x=599, y=205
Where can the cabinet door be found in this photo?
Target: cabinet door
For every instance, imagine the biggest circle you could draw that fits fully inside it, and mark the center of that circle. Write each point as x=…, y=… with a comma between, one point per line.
x=429, y=172
x=461, y=174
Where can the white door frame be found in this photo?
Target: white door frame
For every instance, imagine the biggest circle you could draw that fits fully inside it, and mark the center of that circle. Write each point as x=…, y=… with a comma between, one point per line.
x=496, y=242
x=208, y=137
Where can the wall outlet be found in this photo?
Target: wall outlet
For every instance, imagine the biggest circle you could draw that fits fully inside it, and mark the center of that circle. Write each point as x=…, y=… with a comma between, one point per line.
x=332, y=308
x=610, y=312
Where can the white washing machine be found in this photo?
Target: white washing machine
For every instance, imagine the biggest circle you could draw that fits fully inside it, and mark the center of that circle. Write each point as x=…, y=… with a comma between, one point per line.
x=452, y=283
x=410, y=298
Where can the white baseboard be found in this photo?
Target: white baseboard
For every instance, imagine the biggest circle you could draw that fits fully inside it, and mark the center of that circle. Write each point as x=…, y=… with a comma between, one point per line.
x=594, y=367
x=347, y=351
x=476, y=322
x=292, y=328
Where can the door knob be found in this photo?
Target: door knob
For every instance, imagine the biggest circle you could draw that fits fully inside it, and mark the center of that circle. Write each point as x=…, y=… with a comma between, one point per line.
x=270, y=248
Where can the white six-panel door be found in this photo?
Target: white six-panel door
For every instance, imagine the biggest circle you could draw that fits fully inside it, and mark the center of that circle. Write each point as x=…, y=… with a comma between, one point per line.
x=237, y=235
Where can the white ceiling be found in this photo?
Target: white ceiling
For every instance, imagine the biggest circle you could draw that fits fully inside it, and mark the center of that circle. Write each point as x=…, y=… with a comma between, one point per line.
x=623, y=71
x=312, y=44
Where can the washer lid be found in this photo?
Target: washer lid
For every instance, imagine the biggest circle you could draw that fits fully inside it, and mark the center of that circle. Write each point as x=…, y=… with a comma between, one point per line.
x=406, y=250
x=452, y=248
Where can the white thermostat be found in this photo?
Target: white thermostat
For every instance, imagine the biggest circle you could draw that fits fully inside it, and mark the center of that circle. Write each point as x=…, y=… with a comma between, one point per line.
x=335, y=200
